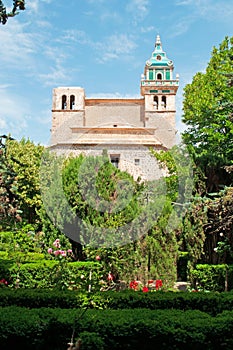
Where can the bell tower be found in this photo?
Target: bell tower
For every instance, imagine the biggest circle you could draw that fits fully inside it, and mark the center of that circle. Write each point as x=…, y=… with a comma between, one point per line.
x=159, y=88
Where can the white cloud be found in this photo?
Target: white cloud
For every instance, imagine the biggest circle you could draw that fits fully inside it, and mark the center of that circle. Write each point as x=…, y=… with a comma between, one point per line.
x=72, y=35
x=112, y=47
x=209, y=9
x=185, y=2
x=110, y=16
x=2, y=124
x=219, y=13
x=181, y=27
x=149, y=29
x=56, y=76
x=95, y=1
x=17, y=45
x=55, y=54
x=121, y=44
x=13, y=113
x=138, y=8
x=115, y=47
x=33, y=5
x=45, y=117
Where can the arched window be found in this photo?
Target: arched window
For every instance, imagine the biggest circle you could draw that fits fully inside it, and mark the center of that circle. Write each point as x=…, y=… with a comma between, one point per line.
x=159, y=76
x=164, y=101
x=72, y=102
x=155, y=103
x=151, y=74
x=64, y=103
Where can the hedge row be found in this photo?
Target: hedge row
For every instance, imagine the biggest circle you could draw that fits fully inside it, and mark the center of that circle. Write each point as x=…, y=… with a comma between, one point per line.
x=211, y=303
x=212, y=277
x=50, y=274
x=33, y=271
x=50, y=329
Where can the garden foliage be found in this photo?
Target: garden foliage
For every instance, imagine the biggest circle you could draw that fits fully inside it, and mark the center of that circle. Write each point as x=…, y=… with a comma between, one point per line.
x=48, y=328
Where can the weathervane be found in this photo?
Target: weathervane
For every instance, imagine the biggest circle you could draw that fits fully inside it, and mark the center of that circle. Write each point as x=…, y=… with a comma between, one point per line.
x=17, y=5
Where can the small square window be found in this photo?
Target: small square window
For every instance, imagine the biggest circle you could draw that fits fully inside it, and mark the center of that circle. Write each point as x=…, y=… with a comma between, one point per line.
x=136, y=161
x=115, y=159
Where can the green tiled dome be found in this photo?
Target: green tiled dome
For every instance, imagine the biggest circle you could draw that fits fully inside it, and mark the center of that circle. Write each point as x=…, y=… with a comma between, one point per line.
x=159, y=57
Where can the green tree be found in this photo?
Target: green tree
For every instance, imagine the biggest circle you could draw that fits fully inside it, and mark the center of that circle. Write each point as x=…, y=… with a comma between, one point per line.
x=9, y=209
x=24, y=157
x=208, y=115
x=105, y=200
x=55, y=214
x=219, y=227
x=18, y=5
x=164, y=240
x=105, y=213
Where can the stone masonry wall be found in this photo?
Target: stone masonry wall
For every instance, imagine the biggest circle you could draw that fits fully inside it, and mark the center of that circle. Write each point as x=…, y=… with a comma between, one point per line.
x=136, y=160
x=114, y=114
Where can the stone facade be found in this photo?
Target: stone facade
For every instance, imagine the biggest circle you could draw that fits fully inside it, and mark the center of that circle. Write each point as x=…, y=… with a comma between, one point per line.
x=126, y=128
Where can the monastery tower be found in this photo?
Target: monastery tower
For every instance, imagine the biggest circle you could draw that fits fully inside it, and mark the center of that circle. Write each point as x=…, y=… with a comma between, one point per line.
x=126, y=127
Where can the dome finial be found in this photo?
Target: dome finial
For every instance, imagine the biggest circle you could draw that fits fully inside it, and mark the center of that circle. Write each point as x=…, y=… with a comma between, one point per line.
x=158, y=41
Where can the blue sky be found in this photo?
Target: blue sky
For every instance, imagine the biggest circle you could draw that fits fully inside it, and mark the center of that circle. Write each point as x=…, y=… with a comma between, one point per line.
x=101, y=45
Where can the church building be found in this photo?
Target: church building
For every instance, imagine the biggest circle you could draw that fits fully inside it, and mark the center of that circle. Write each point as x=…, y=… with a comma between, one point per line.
x=127, y=128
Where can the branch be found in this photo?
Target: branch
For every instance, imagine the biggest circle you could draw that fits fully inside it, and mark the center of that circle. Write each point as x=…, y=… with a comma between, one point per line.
x=17, y=5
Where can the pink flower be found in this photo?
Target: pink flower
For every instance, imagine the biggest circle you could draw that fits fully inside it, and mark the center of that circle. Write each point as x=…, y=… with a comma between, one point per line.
x=69, y=251
x=50, y=250
x=63, y=253
x=110, y=277
x=98, y=258
x=56, y=243
x=57, y=252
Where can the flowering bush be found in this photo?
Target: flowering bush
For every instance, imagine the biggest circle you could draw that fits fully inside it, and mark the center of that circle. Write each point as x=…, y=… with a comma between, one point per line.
x=133, y=285
x=58, y=251
x=3, y=283
x=63, y=273
x=158, y=284
x=151, y=284
x=110, y=277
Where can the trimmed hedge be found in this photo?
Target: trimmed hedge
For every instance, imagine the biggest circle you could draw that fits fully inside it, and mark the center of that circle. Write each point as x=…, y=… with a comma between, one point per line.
x=211, y=303
x=212, y=277
x=50, y=329
x=50, y=274
x=209, y=277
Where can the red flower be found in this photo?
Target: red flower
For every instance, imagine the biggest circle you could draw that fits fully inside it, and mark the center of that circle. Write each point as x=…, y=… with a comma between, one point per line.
x=3, y=281
x=158, y=284
x=98, y=258
x=110, y=277
x=133, y=285
x=145, y=289
x=150, y=281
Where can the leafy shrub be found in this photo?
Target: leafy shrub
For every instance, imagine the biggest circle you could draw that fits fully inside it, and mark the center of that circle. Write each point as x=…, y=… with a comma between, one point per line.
x=209, y=277
x=51, y=329
x=91, y=340
x=51, y=274
x=211, y=303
